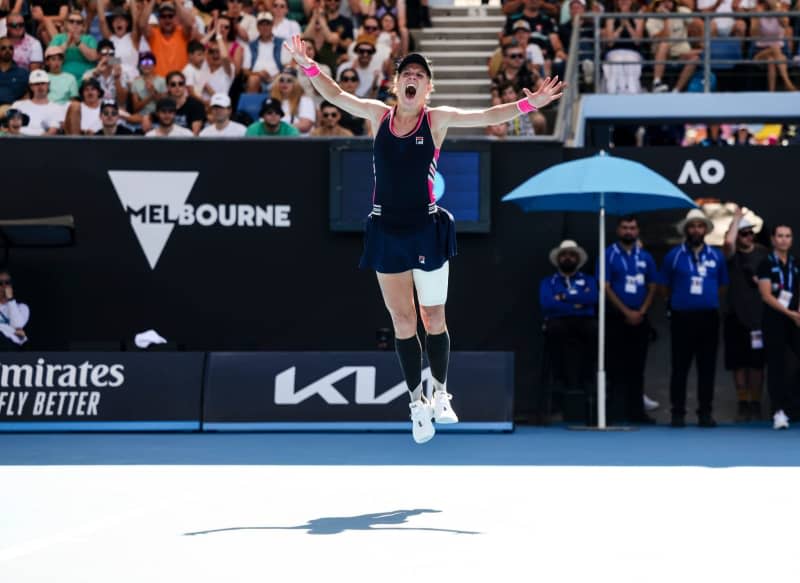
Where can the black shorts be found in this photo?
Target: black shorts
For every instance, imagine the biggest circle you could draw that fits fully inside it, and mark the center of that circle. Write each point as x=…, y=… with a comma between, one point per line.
x=738, y=350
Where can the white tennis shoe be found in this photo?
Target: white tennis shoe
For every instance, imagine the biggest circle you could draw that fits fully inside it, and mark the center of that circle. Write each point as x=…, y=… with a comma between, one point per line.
x=421, y=424
x=442, y=410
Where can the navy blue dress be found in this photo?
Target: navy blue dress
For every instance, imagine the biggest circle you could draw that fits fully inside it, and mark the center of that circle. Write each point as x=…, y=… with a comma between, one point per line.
x=406, y=228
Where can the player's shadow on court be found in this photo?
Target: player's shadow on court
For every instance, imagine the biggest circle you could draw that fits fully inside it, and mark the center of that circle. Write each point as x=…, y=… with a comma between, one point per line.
x=339, y=524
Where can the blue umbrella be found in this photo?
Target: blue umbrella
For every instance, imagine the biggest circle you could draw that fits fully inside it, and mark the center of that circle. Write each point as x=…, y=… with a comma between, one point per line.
x=601, y=184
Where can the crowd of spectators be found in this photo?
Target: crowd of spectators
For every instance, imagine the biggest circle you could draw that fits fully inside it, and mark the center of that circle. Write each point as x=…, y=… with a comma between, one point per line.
x=749, y=290
x=185, y=68
x=536, y=36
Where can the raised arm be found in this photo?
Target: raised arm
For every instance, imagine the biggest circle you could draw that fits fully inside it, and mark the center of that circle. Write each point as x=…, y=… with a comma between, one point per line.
x=368, y=108
x=142, y=23
x=444, y=117
x=729, y=247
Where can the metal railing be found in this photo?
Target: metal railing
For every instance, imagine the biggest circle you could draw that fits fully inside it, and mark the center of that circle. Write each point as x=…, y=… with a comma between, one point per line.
x=599, y=45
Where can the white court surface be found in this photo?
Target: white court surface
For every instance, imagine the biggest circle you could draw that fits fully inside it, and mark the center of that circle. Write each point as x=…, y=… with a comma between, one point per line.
x=374, y=523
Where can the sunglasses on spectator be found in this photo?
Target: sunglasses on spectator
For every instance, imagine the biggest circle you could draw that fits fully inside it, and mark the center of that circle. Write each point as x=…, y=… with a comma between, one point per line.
x=5, y=282
x=109, y=111
x=177, y=83
x=271, y=112
x=365, y=51
x=330, y=114
x=746, y=233
x=74, y=21
x=146, y=62
x=15, y=25
x=516, y=56
x=285, y=79
x=6, y=47
x=52, y=57
x=349, y=78
x=370, y=28
x=167, y=15
x=107, y=52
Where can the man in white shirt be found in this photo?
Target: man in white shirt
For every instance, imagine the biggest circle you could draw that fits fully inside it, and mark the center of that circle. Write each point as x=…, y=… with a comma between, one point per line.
x=13, y=316
x=369, y=69
x=167, y=128
x=46, y=117
x=222, y=127
x=723, y=25
x=268, y=55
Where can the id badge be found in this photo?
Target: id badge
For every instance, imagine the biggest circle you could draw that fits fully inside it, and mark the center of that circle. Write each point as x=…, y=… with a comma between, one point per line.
x=630, y=284
x=785, y=298
x=696, y=287
x=756, y=340
x=702, y=270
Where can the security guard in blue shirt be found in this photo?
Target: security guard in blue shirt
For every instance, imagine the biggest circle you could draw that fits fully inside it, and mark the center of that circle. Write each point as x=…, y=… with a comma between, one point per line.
x=694, y=275
x=568, y=300
x=630, y=287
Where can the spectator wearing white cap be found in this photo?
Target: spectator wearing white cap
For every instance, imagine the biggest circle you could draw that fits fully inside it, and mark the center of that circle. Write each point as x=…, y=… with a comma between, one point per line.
x=63, y=86
x=568, y=300
x=222, y=126
x=46, y=117
x=268, y=55
x=744, y=348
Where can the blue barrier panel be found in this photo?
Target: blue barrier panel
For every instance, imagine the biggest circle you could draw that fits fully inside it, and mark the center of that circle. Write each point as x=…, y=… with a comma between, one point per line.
x=347, y=391
x=100, y=391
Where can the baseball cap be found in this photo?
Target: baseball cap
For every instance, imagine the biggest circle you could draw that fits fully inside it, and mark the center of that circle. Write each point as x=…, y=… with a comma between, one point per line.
x=521, y=23
x=415, y=59
x=264, y=16
x=271, y=105
x=38, y=76
x=54, y=50
x=220, y=100
x=166, y=104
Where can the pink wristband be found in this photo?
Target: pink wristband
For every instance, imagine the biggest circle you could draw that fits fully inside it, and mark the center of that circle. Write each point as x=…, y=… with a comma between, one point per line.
x=310, y=71
x=524, y=106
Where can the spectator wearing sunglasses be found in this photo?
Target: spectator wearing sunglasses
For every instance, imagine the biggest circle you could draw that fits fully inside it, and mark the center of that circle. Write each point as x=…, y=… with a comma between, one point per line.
x=80, y=50
x=369, y=69
x=328, y=123
x=744, y=353
x=148, y=87
x=110, y=74
x=110, y=120
x=190, y=113
x=13, y=315
x=515, y=71
x=348, y=81
x=298, y=109
x=282, y=25
x=13, y=78
x=27, y=49
x=370, y=28
x=63, y=86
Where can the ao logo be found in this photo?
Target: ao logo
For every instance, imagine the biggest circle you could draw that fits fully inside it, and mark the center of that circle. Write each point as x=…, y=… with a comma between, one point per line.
x=710, y=172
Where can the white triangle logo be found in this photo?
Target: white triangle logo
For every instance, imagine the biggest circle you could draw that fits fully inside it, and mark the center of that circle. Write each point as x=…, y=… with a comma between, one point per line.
x=140, y=189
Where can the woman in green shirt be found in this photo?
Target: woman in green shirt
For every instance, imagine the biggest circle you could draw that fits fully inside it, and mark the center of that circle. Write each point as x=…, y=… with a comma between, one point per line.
x=80, y=49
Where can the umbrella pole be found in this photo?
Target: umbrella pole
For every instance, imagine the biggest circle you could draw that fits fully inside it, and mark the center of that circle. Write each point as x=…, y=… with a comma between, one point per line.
x=601, y=328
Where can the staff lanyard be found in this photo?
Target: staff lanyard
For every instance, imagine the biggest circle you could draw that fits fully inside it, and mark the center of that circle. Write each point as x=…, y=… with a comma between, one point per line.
x=692, y=262
x=790, y=267
x=622, y=254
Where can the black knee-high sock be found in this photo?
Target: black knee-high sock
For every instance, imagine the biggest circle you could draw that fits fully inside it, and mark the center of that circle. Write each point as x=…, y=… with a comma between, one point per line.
x=409, y=351
x=438, y=348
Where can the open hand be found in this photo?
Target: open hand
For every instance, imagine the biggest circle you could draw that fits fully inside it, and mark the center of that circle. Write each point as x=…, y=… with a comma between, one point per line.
x=551, y=89
x=297, y=49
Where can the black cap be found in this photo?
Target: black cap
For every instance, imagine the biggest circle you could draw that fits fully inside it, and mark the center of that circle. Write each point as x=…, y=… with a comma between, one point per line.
x=271, y=105
x=109, y=103
x=91, y=82
x=415, y=59
x=166, y=103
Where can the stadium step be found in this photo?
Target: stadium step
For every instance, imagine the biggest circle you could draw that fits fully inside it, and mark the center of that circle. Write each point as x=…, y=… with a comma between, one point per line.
x=474, y=58
x=456, y=45
x=456, y=33
x=465, y=85
x=468, y=21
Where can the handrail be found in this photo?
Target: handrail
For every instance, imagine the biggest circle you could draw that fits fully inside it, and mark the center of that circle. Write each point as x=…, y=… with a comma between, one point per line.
x=564, y=115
